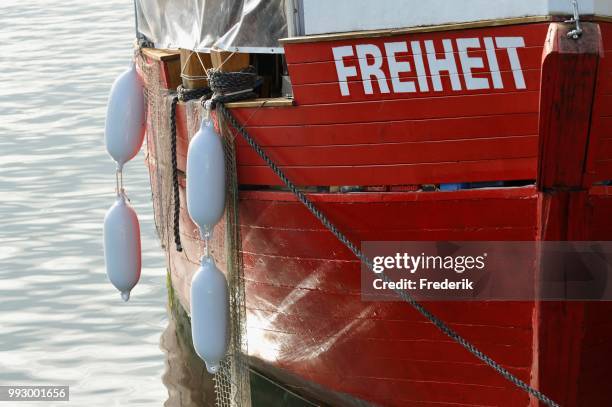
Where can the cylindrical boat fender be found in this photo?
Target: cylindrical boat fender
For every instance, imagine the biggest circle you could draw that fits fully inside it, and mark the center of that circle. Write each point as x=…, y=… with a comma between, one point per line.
x=125, y=117
x=210, y=314
x=206, y=178
x=122, y=246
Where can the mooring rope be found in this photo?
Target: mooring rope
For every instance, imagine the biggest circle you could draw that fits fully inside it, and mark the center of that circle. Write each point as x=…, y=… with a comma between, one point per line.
x=441, y=325
x=183, y=95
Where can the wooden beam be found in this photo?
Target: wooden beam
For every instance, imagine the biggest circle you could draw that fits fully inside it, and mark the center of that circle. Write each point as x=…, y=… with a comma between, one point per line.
x=193, y=68
x=226, y=61
x=169, y=65
x=159, y=54
x=261, y=102
x=569, y=71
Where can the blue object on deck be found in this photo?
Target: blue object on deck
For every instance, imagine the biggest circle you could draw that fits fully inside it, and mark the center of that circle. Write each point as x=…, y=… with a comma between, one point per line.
x=471, y=185
x=450, y=187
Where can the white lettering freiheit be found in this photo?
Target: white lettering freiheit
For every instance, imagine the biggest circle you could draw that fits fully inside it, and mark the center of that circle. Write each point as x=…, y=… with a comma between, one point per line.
x=447, y=57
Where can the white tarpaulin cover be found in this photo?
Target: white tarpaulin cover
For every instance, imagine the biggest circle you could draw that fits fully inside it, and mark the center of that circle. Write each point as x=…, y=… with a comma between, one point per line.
x=231, y=25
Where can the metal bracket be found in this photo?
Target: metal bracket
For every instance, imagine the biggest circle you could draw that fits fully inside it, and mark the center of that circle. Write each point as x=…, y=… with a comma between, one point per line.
x=119, y=179
x=576, y=32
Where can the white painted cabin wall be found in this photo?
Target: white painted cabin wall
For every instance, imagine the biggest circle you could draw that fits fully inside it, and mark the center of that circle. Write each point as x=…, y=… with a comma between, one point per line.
x=603, y=7
x=327, y=16
x=598, y=7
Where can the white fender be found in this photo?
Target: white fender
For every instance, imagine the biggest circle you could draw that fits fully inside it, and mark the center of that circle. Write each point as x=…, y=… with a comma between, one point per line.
x=125, y=117
x=122, y=246
x=210, y=314
x=205, y=177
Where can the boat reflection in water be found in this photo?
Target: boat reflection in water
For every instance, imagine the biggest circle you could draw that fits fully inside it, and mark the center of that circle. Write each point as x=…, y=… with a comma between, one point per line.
x=186, y=378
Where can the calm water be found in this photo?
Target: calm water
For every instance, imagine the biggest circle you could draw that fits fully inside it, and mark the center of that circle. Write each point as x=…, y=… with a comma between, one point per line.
x=61, y=322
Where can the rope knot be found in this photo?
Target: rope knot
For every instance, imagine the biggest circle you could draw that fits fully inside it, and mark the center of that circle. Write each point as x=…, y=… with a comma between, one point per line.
x=185, y=95
x=232, y=86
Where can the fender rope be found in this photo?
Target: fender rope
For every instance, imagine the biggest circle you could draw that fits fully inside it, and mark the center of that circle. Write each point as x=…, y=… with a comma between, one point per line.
x=183, y=95
x=441, y=325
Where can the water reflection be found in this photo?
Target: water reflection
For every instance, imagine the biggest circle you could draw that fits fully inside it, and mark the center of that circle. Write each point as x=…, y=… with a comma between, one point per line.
x=61, y=322
x=186, y=378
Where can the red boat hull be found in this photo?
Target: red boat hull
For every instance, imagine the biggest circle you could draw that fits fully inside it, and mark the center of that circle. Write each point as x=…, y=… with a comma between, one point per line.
x=306, y=322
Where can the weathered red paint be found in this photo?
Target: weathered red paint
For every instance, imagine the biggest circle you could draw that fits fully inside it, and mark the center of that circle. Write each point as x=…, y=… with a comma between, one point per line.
x=305, y=313
x=305, y=319
x=569, y=70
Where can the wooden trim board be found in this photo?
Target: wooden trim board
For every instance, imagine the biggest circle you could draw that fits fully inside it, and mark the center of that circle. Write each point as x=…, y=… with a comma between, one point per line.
x=261, y=102
x=160, y=54
x=411, y=30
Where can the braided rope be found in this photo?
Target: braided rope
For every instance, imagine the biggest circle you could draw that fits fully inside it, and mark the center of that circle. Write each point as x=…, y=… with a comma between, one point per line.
x=441, y=325
x=232, y=86
x=175, y=184
x=183, y=95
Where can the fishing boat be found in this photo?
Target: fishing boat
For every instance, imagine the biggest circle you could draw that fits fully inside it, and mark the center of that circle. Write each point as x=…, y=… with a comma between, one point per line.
x=398, y=121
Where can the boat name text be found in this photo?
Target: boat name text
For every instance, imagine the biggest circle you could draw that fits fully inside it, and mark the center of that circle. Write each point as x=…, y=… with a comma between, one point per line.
x=451, y=58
